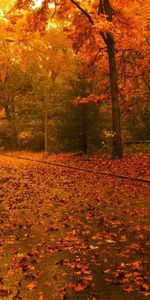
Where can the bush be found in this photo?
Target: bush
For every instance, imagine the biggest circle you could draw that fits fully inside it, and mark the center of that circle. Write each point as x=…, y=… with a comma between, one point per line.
x=137, y=148
x=9, y=137
x=36, y=142
x=139, y=123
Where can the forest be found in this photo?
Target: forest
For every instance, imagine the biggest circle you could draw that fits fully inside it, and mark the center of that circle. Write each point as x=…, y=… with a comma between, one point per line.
x=74, y=149
x=77, y=77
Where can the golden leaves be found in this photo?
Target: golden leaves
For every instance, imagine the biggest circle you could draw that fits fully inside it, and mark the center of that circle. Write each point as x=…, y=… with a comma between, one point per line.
x=110, y=241
x=93, y=247
x=6, y=4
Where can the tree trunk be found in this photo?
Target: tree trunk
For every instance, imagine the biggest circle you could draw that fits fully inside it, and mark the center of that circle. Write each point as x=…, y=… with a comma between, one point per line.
x=45, y=121
x=84, y=128
x=110, y=43
x=117, y=142
x=7, y=111
x=13, y=106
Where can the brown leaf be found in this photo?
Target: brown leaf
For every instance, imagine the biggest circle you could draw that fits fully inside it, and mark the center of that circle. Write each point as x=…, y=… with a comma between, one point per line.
x=40, y=296
x=110, y=241
x=136, y=265
x=146, y=294
x=128, y=289
x=107, y=271
x=108, y=280
x=80, y=287
x=93, y=247
x=88, y=278
x=145, y=287
x=123, y=239
x=31, y=286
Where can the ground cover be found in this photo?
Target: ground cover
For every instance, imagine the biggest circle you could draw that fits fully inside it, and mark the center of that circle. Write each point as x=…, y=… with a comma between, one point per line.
x=69, y=234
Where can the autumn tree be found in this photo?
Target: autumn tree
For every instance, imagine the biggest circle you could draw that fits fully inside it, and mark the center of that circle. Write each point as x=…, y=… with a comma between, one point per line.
x=114, y=26
x=100, y=31
x=83, y=119
x=104, y=9
x=14, y=84
x=134, y=88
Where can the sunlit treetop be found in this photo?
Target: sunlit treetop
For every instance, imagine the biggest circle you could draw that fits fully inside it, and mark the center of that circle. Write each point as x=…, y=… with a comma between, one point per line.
x=38, y=3
x=128, y=17
x=27, y=15
x=34, y=4
x=92, y=8
x=5, y=4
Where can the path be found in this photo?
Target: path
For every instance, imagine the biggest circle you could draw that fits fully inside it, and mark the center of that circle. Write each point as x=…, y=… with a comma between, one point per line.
x=70, y=235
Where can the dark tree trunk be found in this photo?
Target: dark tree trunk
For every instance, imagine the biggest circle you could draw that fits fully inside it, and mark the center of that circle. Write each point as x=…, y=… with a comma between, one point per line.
x=113, y=74
x=13, y=107
x=117, y=141
x=7, y=111
x=84, y=128
x=45, y=120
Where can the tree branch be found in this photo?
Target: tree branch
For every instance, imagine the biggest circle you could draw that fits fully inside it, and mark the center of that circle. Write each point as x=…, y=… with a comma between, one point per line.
x=83, y=11
x=54, y=10
x=89, y=18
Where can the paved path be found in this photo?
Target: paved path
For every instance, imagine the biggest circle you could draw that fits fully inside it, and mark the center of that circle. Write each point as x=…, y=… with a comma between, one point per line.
x=70, y=235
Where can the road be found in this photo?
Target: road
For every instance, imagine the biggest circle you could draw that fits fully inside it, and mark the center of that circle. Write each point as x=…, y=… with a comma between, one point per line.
x=71, y=235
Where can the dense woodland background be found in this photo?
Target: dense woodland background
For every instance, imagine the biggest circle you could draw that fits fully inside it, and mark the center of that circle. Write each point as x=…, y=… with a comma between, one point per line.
x=47, y=54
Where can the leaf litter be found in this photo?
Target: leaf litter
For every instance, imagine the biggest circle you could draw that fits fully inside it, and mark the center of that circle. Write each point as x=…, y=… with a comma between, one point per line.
x=72, y=235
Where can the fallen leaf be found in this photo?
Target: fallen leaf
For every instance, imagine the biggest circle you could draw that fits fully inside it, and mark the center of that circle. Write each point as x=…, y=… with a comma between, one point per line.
x=88, y=278
x=93, y=247
x=40, y=296
x=145, y=287
x=128, y=289
x=136, y=265
x=31, y=286
x=123, y=239
x=106, y=271
x=80, y=287
x=110, y=241
x=108, y=280
x=146, y=294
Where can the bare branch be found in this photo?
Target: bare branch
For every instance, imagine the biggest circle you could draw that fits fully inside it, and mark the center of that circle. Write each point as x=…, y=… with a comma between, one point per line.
x=83, y=11
x=54, y=10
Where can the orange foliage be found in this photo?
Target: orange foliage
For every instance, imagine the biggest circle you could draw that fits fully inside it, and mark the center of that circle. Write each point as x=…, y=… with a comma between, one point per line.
x=87, y=25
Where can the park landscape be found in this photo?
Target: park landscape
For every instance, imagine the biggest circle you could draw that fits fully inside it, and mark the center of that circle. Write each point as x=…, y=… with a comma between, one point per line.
x=74, y=150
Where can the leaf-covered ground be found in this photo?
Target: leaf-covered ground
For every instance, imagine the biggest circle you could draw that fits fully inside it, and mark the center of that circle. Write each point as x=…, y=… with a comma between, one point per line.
x=68, y=234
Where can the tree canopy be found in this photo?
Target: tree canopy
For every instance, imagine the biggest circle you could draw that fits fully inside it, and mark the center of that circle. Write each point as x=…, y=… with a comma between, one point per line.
x=111, y=38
